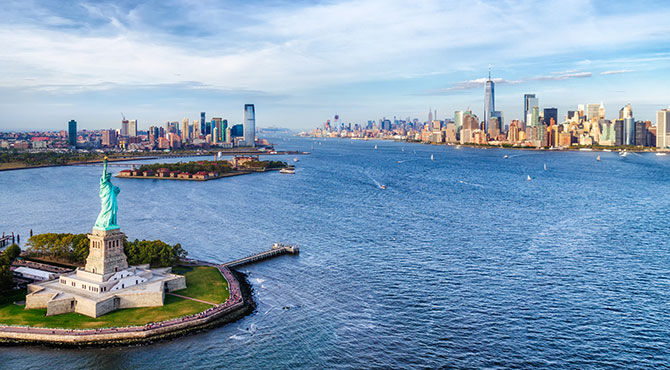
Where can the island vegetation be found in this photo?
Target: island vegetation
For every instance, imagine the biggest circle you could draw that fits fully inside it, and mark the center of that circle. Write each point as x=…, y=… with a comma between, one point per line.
x=6, y=258
x=220, y=167
x=73, y=249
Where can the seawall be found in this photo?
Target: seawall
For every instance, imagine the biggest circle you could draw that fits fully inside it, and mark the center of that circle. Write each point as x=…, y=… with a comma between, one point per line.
x=238, y=305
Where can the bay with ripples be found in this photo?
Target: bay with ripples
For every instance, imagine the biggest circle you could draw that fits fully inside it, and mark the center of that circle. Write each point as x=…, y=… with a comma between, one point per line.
x=460, y=262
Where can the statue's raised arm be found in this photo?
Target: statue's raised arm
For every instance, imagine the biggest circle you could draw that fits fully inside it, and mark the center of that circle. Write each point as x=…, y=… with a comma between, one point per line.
x=108, y=207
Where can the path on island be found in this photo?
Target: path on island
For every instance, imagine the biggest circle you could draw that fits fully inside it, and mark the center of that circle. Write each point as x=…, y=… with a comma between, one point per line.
x=193, y=299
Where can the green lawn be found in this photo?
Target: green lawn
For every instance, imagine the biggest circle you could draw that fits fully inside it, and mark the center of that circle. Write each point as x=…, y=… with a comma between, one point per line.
x=201, y=283
x=204, y=283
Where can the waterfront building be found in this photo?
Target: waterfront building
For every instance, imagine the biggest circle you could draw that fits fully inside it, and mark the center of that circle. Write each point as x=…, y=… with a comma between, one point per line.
x=489, y=101
x=529, y=101
x=629, y=131
x=618, y=132
x=72, y=132
x=641, y=133
x=132, y=128
x=249, y=125
x=663, y=128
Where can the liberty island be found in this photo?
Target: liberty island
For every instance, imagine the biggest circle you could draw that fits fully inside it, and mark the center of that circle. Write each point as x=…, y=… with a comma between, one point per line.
x=106, y=283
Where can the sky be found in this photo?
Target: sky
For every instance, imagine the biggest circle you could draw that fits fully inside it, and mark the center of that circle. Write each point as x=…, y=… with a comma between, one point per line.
x=302, y=62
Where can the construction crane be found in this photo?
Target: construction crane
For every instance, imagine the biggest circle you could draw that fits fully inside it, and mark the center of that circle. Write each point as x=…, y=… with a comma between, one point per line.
x=122, y=116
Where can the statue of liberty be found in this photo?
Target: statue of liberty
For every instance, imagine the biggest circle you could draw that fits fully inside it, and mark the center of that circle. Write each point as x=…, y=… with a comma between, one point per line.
x=108, y=207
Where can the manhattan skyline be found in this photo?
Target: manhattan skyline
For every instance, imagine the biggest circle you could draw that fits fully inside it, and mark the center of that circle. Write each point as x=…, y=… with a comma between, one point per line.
x=302, y=62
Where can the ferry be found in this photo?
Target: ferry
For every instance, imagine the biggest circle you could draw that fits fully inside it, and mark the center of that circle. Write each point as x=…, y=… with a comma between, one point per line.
x=661, y=154
x=288, y=170
x=585, y=149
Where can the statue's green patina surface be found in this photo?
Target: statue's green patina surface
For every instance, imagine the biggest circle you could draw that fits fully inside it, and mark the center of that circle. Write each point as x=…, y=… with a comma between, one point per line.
x=108, y=207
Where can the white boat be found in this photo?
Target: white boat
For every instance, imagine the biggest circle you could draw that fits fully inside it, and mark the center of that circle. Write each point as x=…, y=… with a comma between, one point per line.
x=598, y=158
x=585, y=149
x=528, y=179
x=607, y=150
x=545, y=166
x=661, y=154
x=506, y=156
x=403, y=149
x=623, y=153
x=383, y=187
x=287, y=170
x=375, y=146
x=432, y=158
x=295, y=159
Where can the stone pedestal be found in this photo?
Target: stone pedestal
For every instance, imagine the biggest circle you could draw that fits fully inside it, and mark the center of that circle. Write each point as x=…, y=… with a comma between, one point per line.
x=106, y=255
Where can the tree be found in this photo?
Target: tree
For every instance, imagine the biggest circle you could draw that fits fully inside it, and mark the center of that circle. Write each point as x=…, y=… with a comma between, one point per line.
x=12, y=252
x=6, y=283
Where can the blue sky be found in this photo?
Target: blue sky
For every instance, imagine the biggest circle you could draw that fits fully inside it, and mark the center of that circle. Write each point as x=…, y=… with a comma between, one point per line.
x=301, y=62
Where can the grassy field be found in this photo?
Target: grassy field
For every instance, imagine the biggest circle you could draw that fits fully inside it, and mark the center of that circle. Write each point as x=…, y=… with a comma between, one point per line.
x=204, y=283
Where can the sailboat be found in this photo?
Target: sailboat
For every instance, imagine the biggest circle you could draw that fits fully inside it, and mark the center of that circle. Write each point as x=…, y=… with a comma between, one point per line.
x=528, y=179
x=432, y=158
x=598, y=158
x=403, y=149
x=375, y=146
x=545, y=166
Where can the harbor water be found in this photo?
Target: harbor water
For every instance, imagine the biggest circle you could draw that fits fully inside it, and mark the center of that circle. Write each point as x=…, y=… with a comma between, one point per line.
x=461, y=261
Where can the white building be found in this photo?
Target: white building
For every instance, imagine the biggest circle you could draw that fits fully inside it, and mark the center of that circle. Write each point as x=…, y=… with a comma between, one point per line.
x=663, y=128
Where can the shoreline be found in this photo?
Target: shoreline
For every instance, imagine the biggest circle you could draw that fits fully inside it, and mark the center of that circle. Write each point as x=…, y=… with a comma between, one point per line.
x=612, y=149
x=156, y=156
x=227, y=174
x=239, y=304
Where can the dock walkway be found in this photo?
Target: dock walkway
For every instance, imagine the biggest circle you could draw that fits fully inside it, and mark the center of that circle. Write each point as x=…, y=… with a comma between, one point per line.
x=276, y=250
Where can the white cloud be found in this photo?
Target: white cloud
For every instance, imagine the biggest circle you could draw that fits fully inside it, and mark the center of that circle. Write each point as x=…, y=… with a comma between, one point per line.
x=617, y=72
x=564, y=76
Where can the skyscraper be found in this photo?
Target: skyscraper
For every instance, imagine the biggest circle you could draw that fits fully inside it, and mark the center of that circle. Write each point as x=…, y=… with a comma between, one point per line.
x=663, y=128
x=216, y=124
x=458, y=119
x=72, y=132
x=203, y=131
x=249, y=125
x=185, y=134
x=550, y=113
x=529, y=101
x=132, y=128
x=489, y=101
x=124, y=127
x=629, y=131
x=592, y=111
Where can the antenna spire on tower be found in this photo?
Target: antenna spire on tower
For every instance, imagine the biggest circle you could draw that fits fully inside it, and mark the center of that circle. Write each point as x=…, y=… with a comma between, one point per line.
x=489, y=72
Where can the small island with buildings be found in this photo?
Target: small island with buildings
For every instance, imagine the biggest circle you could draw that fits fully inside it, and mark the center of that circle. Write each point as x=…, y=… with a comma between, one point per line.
x=203, y=170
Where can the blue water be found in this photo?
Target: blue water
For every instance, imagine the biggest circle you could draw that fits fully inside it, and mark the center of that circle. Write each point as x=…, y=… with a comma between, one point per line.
x=460, y=262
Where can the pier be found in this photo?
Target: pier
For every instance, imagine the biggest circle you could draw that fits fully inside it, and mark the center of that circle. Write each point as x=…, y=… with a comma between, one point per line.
x=276, y=250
